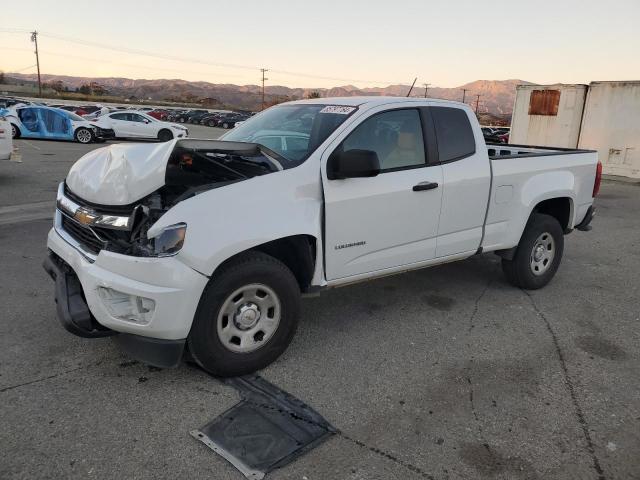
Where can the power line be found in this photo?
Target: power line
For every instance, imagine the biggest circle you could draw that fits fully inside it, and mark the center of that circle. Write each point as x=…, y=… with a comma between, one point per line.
x=18, y=70
x=200, y=61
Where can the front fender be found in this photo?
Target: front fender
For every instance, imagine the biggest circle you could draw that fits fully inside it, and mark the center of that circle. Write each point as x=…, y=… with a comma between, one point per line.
x=234, y=218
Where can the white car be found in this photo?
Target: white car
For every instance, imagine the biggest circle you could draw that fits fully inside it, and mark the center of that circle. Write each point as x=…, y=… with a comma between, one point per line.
x=210, y=242
x=6, y=142
x=134, y=124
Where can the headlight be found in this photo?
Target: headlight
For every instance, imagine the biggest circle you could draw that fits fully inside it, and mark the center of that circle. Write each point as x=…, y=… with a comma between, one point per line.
x=168, y=242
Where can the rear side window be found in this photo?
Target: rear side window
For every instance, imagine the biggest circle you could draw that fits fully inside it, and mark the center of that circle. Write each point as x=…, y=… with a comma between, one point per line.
x=453, y=133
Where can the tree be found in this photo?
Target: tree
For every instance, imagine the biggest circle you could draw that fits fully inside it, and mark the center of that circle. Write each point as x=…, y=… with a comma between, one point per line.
x=314, y=94
x=97, y=89
x=85, y=89
x=57, y=85
x=2, y=76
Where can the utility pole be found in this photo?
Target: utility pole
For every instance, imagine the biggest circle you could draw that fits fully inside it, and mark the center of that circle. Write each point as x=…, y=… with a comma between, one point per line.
x=263, y=70
x=426, y=87
x=477, y=102
x=34, y=39
x=464, y=94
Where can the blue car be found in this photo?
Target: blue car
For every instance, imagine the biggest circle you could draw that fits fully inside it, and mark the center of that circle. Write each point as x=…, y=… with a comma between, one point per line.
x=36, y=121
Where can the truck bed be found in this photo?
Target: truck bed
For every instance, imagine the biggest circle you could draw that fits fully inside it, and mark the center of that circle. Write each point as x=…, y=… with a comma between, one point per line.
x=499, y=151
x=520, y=173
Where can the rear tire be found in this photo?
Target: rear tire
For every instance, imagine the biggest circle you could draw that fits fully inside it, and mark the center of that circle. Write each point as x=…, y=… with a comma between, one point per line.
x=165, y=135
x=247, y=316
x=225, y=125
x=84, y=135
x=538, y=255
x=15, y=131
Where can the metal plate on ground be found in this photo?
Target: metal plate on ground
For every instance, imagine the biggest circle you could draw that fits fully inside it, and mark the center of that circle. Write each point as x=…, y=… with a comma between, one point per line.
x=268, y=429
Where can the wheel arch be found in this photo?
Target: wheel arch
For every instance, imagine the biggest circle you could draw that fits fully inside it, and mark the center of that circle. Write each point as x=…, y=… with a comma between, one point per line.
x=297, y=252
x=166, y=129
x=18, y=131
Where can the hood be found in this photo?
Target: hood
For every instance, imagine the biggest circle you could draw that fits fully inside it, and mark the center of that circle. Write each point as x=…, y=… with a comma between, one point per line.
x=121, y=173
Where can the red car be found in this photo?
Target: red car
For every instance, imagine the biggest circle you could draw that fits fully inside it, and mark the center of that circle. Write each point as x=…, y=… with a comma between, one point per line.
x=159, y=114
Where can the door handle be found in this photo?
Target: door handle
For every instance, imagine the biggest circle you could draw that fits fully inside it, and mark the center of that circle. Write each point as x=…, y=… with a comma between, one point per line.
x=425, y=186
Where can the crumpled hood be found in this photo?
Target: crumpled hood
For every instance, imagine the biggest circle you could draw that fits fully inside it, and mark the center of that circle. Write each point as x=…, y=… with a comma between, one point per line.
x=121, y=173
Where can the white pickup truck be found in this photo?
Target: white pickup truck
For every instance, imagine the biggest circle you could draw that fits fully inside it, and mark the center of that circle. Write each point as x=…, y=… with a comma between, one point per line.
x=209, y=244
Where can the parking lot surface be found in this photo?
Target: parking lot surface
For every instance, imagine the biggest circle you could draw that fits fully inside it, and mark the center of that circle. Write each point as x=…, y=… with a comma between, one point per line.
x=447, y=372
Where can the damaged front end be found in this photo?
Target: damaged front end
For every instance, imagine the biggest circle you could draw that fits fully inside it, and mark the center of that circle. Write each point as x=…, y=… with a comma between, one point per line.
x=190, y=167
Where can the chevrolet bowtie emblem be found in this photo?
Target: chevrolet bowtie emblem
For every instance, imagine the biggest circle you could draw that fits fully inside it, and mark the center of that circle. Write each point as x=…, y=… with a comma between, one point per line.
x=84, y=217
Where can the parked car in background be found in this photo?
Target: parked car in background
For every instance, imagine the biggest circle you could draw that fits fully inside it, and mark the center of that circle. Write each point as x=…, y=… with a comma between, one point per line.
x=490, y=135
x=54, y=123
x=196, y=116
x=174, y=114
x=210, y=120
x=229, y=120
x=6, y=140
x=158, y=113
x=184, y=117
x=75, y=109
x=136, y=124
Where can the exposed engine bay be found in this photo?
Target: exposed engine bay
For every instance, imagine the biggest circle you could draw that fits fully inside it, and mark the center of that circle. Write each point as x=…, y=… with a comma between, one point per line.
x=192, y=167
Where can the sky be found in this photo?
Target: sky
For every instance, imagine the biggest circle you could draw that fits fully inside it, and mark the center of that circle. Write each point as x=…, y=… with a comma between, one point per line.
x=327, y=43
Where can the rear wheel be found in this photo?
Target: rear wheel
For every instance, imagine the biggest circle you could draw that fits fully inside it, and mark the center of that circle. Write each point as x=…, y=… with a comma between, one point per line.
x=247, y=316
x=225, y=125
x=15, y=131
x=165, y=135
x=84, y=135
x=538, y=254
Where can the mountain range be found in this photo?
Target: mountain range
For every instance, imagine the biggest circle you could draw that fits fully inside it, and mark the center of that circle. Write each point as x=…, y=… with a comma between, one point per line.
x=496, y=96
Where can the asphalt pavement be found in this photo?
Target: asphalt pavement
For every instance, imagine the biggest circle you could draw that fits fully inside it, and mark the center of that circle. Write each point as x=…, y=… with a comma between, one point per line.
x=447, y=372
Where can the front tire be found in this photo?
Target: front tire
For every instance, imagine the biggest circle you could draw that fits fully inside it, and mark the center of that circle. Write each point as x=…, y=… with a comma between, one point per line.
x=225, y=125
x=247, y=316
x=538, y=254
x=84, y=135
x=165, y=135
x=15, y=131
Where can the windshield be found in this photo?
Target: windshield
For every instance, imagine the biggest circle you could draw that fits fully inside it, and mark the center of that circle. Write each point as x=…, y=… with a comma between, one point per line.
x=291, y=131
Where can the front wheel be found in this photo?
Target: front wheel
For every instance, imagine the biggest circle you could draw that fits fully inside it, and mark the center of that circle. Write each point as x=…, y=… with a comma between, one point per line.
x=538, y=254
x=225, y=125
x=165, y=135
x=15, y=131
x=84, y=135
x=247, y=316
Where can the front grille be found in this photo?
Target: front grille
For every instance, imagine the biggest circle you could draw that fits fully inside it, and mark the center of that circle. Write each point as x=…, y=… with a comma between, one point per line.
x=83, y=235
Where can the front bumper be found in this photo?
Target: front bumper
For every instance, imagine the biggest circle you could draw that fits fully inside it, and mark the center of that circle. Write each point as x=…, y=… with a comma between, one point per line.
x=105, y=133
x=173, y=287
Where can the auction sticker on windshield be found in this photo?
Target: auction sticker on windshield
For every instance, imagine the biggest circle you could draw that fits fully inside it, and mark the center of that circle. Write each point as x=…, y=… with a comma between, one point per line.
x=339, y=109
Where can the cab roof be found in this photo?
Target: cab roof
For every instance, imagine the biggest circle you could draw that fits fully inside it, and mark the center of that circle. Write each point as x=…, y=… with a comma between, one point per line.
x=372, y=101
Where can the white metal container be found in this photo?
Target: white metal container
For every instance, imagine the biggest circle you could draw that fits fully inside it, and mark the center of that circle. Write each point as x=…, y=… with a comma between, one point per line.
x=547, y=115
x=611, y=125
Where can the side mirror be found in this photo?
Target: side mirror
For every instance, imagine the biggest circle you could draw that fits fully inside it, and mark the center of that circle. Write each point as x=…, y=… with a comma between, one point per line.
x=353, y=164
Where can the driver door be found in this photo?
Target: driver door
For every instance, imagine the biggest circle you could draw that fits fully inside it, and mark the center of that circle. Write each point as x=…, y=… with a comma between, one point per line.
x=390, y=220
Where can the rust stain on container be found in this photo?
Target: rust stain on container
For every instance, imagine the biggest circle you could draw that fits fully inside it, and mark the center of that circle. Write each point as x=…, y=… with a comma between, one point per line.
x=544, y=102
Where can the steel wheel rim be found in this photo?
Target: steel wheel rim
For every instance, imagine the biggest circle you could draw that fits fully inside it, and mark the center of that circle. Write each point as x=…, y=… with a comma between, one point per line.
x=84, y=136
x=13, y=131
x=248, y=318
x=542, y=254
